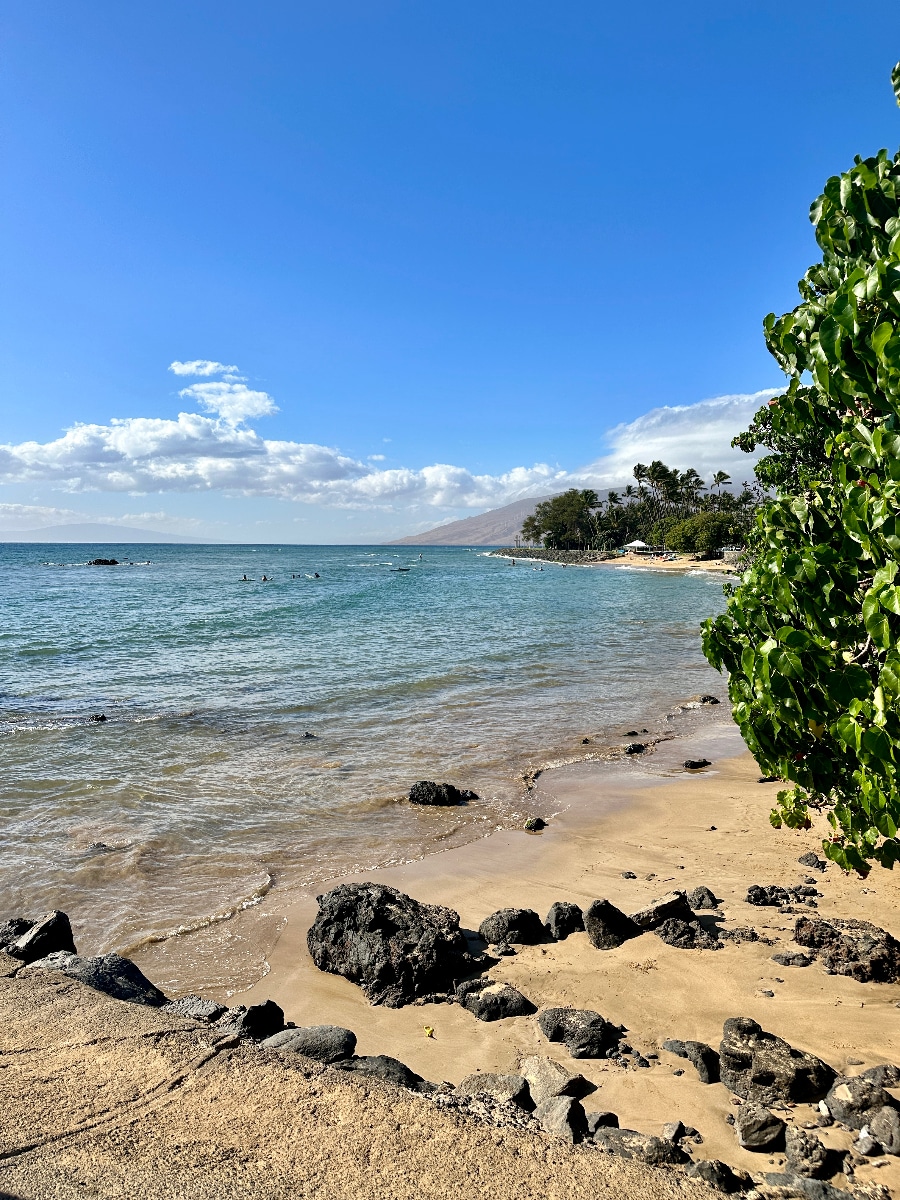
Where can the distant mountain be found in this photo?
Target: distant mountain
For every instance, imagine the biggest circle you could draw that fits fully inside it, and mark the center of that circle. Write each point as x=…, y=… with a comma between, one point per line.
x=495, y=528
x=122, y=534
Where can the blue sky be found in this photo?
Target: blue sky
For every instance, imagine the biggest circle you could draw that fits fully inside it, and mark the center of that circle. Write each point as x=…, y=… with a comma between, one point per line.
x=474, y=237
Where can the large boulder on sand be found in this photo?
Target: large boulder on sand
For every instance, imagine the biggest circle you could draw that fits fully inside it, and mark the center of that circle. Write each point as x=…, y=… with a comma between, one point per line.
x=395, y=948
x=673, y=905
x=109, y=973
x=584, y=1033
x=520, y=925
x=607, y=926
x=761, y=1067
x=757, y=1128
x=325, y=1043
x=547, y=1078
x=855, y=1099
x=491, y=1001
x=855, y=948
x=564, y=918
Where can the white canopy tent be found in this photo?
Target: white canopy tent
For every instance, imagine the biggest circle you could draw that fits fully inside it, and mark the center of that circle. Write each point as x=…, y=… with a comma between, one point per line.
x=637, y=545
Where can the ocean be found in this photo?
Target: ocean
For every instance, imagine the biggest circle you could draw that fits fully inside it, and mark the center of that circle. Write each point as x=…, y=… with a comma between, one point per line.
x=261, y=736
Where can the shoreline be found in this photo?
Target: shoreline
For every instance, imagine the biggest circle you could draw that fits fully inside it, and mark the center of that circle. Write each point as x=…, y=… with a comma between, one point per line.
x=682, y=565
x=180, y=956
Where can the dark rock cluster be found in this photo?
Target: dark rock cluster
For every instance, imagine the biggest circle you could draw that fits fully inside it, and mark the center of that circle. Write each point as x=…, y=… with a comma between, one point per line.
x=855, y=948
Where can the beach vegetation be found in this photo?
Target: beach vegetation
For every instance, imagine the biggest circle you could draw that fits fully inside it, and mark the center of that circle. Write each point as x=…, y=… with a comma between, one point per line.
x=664, y=501
x=811, y=634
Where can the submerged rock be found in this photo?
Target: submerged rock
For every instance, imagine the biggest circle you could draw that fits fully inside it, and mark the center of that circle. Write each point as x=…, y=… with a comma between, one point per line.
x=564, y=918
x=109, y=973
x=444, y=794
x=325, y=1043
x=764, y=1068
x=607, y=926
x=585, y=1033
x=513, y=925
x=395, y=948
x=696, y=764
x=848, y=947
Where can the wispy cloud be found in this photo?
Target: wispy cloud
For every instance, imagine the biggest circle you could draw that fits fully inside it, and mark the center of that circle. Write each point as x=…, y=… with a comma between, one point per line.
x=202, y=366
x=203, y=453
x=21, y=517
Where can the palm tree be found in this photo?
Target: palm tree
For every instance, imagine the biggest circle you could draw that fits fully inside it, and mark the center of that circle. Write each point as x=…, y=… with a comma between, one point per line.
x=640, y=475
x=613, y=499
x=719, y=479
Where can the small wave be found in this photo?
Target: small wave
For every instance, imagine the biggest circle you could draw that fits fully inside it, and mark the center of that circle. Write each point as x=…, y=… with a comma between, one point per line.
x=250, y=901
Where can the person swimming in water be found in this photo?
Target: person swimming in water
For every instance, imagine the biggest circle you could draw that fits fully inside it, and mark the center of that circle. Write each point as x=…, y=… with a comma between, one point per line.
x=265, y=579
x=317, y=575
x=244, y=579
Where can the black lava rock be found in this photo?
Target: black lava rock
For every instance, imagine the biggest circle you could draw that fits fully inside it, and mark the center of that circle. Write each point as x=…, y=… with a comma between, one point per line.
x=427, y=792
x=110, y=973
x=564, y=918
x=52, y=934
x=855, y=948
x=494, y=1001
x=516, y=925
x=696, y=764
x=607, y=926
x=395, y=948
x=325, y=1043
x=585, y=1033
x=702, y=898
x=382, y=1066
x=761, y=1067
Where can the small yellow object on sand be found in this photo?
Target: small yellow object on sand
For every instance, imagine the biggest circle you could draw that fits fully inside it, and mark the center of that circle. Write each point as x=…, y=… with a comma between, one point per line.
x=429, y=1032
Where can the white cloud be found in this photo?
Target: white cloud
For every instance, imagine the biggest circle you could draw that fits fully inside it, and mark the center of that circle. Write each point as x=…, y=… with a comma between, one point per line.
x=689, y=435
x=202, y=453
x=202, y=366
x=234, y=402
x=376, y=457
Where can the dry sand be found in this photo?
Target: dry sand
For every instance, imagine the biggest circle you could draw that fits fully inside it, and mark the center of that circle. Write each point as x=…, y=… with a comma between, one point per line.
x=106, y=1099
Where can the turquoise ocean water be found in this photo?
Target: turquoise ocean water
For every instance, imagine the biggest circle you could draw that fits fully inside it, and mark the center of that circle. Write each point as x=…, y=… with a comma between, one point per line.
x=201, y=790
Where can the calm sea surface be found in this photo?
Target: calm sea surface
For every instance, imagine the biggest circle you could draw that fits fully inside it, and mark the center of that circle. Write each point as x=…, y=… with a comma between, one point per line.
x=262, y=734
